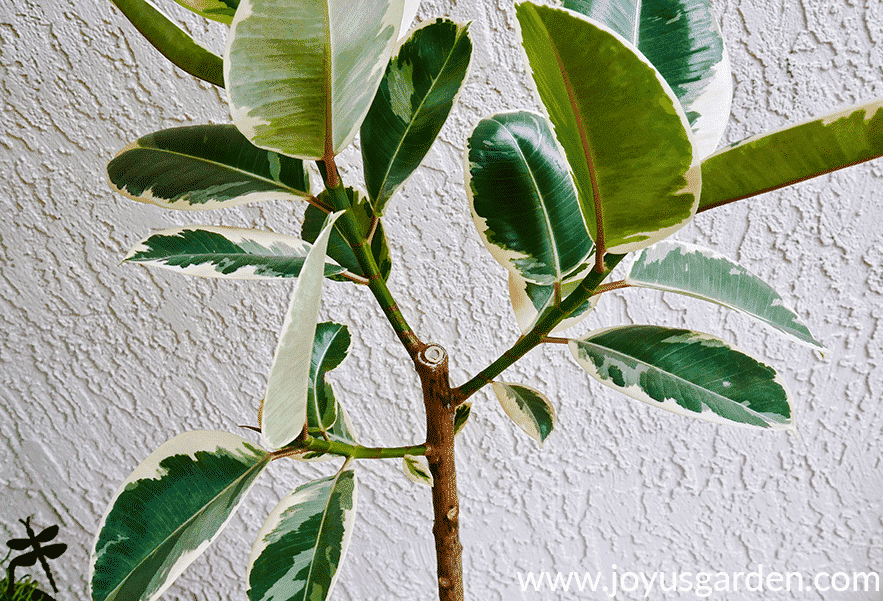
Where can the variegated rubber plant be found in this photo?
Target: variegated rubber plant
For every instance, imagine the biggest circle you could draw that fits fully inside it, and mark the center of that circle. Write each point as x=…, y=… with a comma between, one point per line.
x=560, y=194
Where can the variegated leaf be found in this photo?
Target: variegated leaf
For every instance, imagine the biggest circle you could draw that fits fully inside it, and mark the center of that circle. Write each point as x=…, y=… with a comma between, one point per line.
x=790, y=155
x=523, y=200
x=529, y=409
x=415, y=97
x=300, y=548
x=626, y=137
x=688, y=373
x=216, y=10
x=461, y=416
x=204, y=167
x=168, y=511
x=285, y=402
x=683, y=41
x=417, y=470
x=330, y=345
x=703, y=273
x=338, y=248
x=226, y=252
x=302, y=74
x=172, y=41
x=531, y=301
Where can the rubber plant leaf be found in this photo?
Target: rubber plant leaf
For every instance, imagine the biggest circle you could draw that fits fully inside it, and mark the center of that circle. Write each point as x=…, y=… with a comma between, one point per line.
x=284, y=411
x=682, y=39
x=300, y=548
x=688, y=373
x=622, y=128
x=204, y=167
x=302, y=74
x=168, y=511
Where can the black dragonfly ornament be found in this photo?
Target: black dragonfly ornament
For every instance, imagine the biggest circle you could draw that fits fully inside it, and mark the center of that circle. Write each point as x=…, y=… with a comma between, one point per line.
x=37, y=552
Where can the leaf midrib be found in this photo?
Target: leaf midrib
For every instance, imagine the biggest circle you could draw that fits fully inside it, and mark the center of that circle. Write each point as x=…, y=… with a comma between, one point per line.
x=189, y=521
x=224, y=166
x=558, y=271
x=319, y=535
x=584, y=143
x=460, y=32
x=693, y=385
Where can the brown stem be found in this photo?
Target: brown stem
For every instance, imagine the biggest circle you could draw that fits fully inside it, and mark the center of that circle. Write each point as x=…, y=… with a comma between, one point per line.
x=432, y=365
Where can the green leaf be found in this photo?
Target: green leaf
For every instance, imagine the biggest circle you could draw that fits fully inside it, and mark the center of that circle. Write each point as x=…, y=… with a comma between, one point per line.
x=226, y=252
x=172, y=41
x=216, y=10
x=530, y=302
x=168, y=511
x=681, y=38
x=703, y=273
x=415, y=97
x=330, y=345
x=204, y=167
x=461, y=415
x=622, y=128
x=301, y=75
x=529, y=409
x=301, y=546
x=523, y=200
x=417, y=470
x=781, y=158
x=338, y=248
x=688, y=373
x=284, y=411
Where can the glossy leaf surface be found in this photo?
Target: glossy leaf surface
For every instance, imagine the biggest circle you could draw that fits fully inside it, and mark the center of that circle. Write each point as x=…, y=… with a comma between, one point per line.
x=330, y=345
x=414, y=99
x=301, y=75
x=285, y=402
x=301, y=546
x=204, y=167
x=681, y=38
x=523, y=200
x=168, y=511
x=338, y=249
x=528, y=408
x=226, y=252
x=172, y=41
x=625, y=135
x=781, y=158
x=703, y=273
x=461, y=416
x=688, y=373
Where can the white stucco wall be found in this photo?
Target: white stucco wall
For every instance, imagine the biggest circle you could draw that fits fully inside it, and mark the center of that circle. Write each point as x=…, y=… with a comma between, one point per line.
x=101, y=363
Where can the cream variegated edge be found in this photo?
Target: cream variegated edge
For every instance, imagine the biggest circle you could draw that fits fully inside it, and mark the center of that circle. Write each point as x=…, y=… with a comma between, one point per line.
x=692, y=177
x=530, y=409
x=312, y=95
x=416, y=468
x=285, y=402
x=274, y=246
x=187, y=443
x=752, y=296
x=634, y=389
x=336, y=494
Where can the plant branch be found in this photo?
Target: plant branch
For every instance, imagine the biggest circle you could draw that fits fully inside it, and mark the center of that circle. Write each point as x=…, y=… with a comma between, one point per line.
x=432, y=366
x=347, y=450
x=611, y=286
x=546, y=324
x=357, y=241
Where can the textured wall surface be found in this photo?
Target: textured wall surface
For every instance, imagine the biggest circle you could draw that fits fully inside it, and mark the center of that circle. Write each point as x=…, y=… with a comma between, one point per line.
x=101, y=363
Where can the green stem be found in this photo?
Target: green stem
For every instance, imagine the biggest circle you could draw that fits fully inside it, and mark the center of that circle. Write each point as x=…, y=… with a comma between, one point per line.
x=539, y=332
x=348, y=450
x=362, y=249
